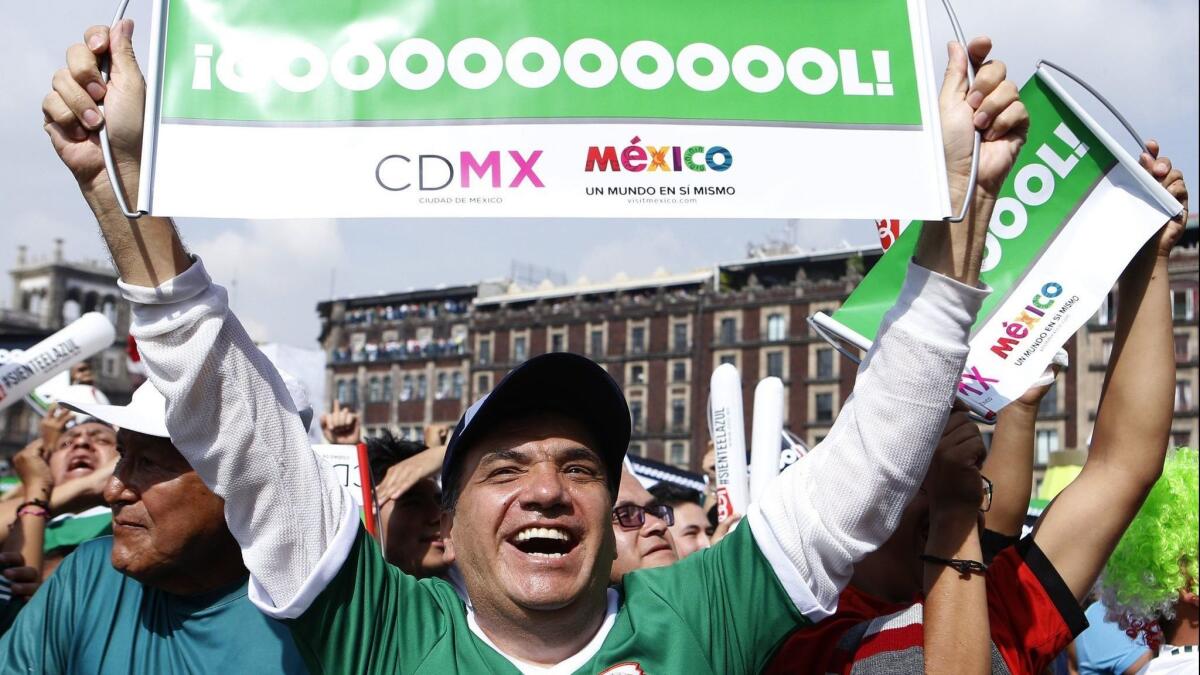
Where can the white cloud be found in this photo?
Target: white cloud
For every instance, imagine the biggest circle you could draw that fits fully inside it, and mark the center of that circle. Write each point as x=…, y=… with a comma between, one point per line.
x=644, y=250
x=274, y=271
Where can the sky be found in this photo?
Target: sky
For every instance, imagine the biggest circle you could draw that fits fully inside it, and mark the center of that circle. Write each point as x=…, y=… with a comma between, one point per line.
x=1142, y=55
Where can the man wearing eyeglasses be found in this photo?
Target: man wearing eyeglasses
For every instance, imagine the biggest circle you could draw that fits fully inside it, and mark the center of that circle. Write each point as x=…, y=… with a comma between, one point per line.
x=642, y=526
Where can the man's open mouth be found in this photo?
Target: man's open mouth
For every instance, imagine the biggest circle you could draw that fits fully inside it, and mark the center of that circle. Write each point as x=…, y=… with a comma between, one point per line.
x=81, y=462
x=547, y=542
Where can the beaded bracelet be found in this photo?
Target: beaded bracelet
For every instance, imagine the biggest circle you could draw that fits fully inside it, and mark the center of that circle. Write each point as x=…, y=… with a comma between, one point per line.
x=963, y=567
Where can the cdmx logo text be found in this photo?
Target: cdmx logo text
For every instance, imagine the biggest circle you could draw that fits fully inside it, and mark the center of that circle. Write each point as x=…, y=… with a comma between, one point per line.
x=429, y=172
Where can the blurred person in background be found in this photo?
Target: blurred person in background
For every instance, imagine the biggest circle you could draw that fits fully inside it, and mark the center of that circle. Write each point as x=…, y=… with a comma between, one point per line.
x=642, y=527
x=410, y=520
x=1150, y=581
x=71, y=460
x=690, y=529
x=82, y=373
x=1105, y=649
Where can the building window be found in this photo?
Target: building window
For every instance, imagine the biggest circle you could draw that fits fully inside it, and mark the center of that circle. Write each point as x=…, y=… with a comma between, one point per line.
x=824, y=363
x=677, y=454
x=1047, y=442
x=456, y=385
x=679, y=337
x=637, y=340
x=635, y=415
x=485, y=351
x=558, y=342
x=596, y=343
x=731, y=359
x=637, y=374
x=635, y=449
x=1106, y=347
x=443, y=386
x=483, y=385
x=406, y=388
x=1182, y=353
x=1108, y=310
x=422, y=387
x=728, y=331
x=108, y=366
x=775, y=364
x=347, y=392
x=520, y=349
x=776, y=328
x=825, y=407
x=1183, y=396
x=678, y=414
x=1181, y=439
x=387, y=388
x=1049, y=404
x=679, y=371
x=1181, y=304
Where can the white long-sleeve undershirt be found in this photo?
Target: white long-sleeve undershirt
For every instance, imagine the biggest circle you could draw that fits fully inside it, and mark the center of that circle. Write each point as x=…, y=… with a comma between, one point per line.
x=230, y=415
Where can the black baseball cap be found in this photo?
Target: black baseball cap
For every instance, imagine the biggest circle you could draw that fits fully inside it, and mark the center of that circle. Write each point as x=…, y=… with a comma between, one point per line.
x=561, y=382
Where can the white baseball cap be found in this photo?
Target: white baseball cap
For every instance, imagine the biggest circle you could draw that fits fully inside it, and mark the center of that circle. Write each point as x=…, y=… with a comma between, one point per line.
x=145, y=414
x=147, y=409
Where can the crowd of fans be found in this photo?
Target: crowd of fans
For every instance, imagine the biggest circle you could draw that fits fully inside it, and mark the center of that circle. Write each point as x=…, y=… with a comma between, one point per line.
x=425, y=310
x=521, y=541
x=392, y=350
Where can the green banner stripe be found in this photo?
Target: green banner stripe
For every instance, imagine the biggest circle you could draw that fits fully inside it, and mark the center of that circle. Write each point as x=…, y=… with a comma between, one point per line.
x=1054, y=173
x=354, y=45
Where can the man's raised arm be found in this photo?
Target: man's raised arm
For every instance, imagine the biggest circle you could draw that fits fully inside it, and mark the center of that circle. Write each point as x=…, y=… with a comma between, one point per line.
x=228, y=411
x=845, y=499
x=1081, y=527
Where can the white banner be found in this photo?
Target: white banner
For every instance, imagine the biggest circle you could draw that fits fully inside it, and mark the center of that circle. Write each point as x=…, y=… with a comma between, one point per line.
x=721, y=114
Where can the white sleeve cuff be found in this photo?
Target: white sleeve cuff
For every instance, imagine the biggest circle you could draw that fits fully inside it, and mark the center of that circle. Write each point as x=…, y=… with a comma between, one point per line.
x=191, y=282
x=937, y=306
x=792, y=579
x=327, y=568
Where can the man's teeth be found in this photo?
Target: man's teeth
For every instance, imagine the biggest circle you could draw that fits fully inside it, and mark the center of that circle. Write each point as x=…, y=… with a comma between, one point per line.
x=542, y=533
x=546, y=555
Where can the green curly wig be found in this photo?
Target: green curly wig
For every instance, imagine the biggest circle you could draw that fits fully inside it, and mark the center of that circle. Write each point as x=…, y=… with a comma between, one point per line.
x=1144, y=575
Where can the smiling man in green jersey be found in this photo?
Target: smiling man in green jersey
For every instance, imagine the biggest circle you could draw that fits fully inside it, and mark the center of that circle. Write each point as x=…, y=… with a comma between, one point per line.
x=531, y=472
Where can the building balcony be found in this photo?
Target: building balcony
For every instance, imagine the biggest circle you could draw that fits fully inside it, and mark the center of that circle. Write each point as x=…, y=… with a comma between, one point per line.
x=412, y=313
x=384, y=355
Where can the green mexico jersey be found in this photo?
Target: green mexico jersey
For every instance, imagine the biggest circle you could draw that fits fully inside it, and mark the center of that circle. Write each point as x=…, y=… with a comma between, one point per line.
x=720, y=611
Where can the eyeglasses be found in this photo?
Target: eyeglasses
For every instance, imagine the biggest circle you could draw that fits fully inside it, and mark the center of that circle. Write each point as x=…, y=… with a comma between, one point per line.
x=632, y=516
x=986, y=504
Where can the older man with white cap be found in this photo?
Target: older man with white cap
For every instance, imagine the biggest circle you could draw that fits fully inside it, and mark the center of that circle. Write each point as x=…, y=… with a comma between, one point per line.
x=166, y=593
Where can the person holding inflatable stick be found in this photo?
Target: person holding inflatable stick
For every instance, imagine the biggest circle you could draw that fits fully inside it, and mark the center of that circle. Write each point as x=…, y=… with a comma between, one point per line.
x=727, y=427
x=77, y=341
x=766, y=442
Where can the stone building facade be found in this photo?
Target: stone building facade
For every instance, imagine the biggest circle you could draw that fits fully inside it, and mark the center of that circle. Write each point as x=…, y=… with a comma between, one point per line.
x=408, y=360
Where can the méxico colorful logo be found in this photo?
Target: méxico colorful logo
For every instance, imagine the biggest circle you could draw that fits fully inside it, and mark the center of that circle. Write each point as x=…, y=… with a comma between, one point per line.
x=650, y=158
x=1024, y=324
